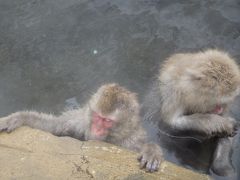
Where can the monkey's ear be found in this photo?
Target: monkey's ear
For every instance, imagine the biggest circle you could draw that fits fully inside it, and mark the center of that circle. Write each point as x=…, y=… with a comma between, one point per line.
x=194, y=75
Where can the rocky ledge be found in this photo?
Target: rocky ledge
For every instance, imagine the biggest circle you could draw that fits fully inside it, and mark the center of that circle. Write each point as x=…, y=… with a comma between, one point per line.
x=33, y=154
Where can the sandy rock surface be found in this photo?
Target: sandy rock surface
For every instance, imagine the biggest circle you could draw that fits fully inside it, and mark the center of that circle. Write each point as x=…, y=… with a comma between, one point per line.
x=33, y=154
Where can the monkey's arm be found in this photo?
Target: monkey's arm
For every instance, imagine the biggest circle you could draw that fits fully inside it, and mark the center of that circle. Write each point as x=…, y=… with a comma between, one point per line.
x=209, y=124
x=150, y=154
x=29, y=118
x=60, y=126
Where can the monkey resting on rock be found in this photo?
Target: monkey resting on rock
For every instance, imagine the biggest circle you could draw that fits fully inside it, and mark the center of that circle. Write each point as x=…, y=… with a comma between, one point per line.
x=111, y=115
x=193, y=93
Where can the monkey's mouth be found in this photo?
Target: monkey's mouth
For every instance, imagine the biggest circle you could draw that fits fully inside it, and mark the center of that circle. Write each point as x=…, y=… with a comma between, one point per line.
x=218, y=110
x=100, y=132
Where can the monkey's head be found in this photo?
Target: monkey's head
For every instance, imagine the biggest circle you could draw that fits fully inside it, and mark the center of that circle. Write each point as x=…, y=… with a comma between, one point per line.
x=112, y=108
x=207, y=81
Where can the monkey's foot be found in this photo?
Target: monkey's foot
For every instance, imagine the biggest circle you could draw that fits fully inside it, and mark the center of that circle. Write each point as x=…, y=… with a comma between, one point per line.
x=222, y=168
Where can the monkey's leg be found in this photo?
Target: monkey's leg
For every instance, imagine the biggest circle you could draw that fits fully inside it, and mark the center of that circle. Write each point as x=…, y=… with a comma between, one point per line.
x=32, y=119
x=222, y=164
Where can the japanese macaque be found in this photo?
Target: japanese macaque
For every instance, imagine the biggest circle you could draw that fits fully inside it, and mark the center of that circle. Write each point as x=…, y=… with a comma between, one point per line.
x=111, y=115
x=192, y=94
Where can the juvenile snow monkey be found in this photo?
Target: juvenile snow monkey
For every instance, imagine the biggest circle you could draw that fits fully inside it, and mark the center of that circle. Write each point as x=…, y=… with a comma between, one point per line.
x=192, y=94
x=111, y=115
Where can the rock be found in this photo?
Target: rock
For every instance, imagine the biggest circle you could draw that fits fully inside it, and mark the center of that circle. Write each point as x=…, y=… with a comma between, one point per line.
x=33, y=154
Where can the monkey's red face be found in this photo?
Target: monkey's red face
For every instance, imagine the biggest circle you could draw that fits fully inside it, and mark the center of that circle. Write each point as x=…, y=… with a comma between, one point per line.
x=100, y=125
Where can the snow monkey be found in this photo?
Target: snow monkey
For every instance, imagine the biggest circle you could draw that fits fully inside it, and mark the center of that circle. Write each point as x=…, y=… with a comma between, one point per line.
x=192, y=94
x=111, y=115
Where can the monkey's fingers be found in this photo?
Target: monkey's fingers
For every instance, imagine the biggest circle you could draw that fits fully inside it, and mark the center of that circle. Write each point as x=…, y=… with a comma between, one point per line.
x=233, y=133
x=149, y=166
x=150, y=163
x=143, y=162
x=3, y=129
x=155, y=165
x=235, y=129
x=221, y=135
x=9, y=125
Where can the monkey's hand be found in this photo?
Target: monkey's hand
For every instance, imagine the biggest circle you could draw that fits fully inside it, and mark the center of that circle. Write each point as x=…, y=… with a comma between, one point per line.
x=150, y=157
x=227, y=127
x=9, y=123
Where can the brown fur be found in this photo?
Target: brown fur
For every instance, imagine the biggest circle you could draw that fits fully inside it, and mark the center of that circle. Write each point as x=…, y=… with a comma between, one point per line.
x=114, y=97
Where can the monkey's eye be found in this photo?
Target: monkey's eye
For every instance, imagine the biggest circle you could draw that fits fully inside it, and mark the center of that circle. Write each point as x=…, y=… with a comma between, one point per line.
x=108, y=122
x=96, y=115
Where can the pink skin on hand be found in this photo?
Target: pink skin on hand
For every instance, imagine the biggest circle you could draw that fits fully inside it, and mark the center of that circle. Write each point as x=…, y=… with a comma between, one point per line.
x=218, y=110
x=100, y=125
